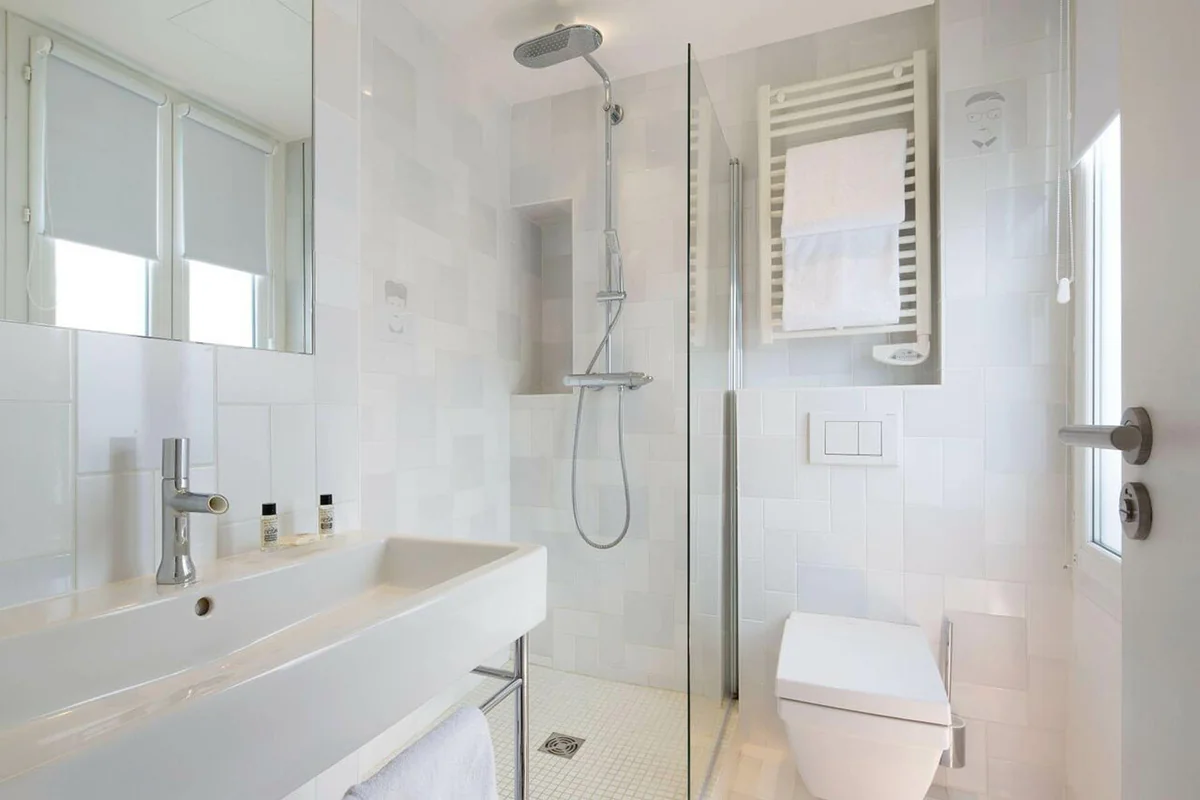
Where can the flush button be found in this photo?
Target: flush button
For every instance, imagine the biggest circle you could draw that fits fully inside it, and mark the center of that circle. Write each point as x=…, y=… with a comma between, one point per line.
x=841, y=438
x=854, y=438
x=870, y=439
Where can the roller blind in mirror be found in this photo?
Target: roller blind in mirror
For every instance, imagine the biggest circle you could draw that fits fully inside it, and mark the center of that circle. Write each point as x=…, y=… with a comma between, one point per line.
x=1097, y=71
x=225, y=190
x=101, y=162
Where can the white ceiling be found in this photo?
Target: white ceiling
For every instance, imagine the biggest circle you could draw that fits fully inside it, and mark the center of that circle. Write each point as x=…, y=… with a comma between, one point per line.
x=639, y=35
x=251, y=57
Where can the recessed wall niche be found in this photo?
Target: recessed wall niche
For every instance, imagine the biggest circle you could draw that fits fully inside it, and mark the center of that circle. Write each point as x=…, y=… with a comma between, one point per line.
x=545, y=297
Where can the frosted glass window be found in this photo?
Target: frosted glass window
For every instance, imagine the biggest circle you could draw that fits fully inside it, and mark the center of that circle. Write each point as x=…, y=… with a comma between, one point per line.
x=100, y=290
x=101, y=162
x=221, y=305
x=225, y=211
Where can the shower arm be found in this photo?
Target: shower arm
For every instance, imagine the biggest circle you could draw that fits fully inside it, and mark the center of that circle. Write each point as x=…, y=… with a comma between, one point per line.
x=608, y=103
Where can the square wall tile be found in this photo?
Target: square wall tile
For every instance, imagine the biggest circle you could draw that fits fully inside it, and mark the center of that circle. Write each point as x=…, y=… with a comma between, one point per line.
x=294, y=467
x=885, y=536
x=244, y=460
x=336, y=57
x=37, y=363
x=962, y=473
x=116, y=527
x=37, y=480
x=942, y=541
x=133, y=393
x=831, y=590
x=36, y=578
x=245, y=375
x=335, y=357
x=767, y=467
x=923, y=472
x=990, y=650
x=337, y=452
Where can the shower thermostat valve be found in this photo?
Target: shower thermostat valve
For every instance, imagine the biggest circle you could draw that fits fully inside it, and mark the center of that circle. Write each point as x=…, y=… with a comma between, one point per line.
x=601, y=380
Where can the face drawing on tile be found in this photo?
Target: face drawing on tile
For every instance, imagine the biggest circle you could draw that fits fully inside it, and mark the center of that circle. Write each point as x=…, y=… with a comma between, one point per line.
x=981, y=120
x=395, y=303
x=985, y=120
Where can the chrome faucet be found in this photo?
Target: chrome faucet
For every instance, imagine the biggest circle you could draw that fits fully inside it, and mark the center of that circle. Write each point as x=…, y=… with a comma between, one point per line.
x=176, y=567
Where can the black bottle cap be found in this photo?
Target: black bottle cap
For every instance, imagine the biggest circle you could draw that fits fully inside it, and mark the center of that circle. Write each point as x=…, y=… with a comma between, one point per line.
x=268, y=509
x=326, y=499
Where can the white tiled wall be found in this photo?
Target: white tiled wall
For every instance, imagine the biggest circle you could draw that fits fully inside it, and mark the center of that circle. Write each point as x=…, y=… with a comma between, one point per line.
x=1094, y=703
x=555, y=333
x=973, y=524
x=436, y=219
x=618, y=613
x=541, y=249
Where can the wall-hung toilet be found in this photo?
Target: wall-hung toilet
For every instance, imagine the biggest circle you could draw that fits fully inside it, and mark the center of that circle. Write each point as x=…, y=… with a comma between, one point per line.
x=863, y=703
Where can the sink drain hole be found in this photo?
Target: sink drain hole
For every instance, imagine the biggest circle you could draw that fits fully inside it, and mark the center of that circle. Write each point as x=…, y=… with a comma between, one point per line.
x=562, y=745
x=203, y=606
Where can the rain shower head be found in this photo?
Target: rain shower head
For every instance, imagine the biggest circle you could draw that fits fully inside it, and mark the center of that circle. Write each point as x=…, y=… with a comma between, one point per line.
x=562, y=44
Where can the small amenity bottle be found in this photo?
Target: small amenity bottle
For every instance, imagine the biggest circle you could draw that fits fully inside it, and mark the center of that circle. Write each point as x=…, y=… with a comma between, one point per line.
x=325, y=516
x=268, y=532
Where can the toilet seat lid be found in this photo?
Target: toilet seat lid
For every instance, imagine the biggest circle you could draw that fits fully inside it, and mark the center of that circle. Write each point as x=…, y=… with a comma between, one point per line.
x=867, y=666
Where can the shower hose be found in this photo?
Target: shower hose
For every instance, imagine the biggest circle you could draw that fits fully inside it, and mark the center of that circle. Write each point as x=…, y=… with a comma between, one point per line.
x=620, y=445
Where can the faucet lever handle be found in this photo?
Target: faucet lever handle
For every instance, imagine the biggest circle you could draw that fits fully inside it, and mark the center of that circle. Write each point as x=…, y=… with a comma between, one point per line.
x=175, y=459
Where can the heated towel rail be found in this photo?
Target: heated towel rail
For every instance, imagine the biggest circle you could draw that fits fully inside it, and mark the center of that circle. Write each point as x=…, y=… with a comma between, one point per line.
x=887, y=96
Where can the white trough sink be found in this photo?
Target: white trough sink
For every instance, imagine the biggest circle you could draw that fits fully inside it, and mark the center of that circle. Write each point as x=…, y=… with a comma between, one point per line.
x=245, y=685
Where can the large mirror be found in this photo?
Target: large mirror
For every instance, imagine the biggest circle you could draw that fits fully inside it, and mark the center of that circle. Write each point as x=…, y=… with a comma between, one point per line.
x=158, y=168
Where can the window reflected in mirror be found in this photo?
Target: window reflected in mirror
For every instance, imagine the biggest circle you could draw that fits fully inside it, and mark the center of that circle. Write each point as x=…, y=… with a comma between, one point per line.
x=159, y=169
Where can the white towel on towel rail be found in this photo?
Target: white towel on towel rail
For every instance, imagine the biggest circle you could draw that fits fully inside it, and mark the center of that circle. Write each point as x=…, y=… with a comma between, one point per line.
x=843, y=203
x=454, y=761
x=842, y=280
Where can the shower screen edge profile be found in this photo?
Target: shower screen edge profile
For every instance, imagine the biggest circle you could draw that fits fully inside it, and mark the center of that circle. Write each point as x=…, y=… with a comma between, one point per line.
x=564, y=43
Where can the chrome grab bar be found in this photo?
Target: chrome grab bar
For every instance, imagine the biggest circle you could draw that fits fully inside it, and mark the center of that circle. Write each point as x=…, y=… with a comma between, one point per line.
x=1134, y=436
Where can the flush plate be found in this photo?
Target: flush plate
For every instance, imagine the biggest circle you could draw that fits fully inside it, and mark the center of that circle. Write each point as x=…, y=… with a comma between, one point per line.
x=860, y=439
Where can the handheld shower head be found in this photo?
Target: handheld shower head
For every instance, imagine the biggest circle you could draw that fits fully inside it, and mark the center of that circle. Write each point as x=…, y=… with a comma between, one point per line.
x=562, y=44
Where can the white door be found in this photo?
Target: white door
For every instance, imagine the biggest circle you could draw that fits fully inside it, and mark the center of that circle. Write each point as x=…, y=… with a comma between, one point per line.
x=1160, y=119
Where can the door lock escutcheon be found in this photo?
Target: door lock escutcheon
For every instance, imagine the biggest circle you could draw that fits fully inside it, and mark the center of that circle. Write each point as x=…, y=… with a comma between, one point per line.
x=1134, y=437
x=1136, y=511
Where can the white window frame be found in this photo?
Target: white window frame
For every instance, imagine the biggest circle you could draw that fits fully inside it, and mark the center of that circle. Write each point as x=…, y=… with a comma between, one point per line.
x=1098, y=569
x=167, y=292
x=270, y=312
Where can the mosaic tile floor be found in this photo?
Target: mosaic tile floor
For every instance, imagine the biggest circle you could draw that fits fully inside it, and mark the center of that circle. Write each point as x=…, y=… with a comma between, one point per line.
x=635, y=739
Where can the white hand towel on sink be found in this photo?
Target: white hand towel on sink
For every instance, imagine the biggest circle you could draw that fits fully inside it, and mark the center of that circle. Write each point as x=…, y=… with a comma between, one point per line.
x=454, y=761
x=843, y=203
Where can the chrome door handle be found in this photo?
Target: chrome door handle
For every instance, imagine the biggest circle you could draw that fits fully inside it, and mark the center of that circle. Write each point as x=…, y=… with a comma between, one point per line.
x=1134, y=436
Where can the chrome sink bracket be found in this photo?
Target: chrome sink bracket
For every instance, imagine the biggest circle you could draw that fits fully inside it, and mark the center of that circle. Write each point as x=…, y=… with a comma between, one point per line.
x=517, y=682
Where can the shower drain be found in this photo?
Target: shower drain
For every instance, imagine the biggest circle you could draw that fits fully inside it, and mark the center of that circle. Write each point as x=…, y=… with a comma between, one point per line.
x=560, y=744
